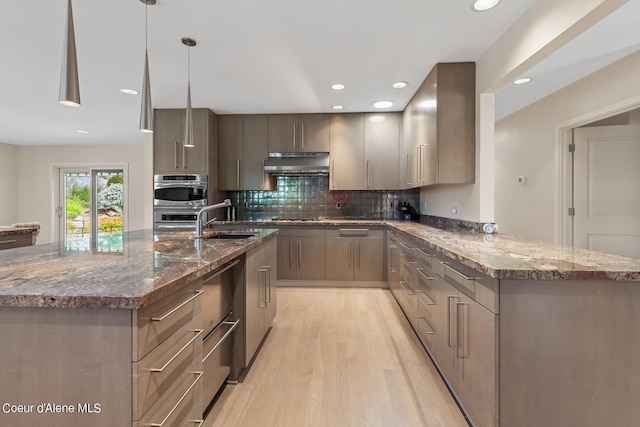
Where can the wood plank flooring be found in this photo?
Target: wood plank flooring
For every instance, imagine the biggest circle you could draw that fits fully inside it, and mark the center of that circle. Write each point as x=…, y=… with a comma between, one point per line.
x=338, y=357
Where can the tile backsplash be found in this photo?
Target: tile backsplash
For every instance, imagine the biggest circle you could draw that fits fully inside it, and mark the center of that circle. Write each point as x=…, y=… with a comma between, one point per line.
x=310, y=197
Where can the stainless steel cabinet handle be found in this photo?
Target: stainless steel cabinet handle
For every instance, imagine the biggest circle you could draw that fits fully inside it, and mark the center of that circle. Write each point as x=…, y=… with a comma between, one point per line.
x=462, y=309
x=408, y=175
x=178, y=307
x=358, y=253
x=224, y=337
x=197, y=335
x=407, y=287
x=427, y=331
x=349, y=258
x=425, y=253
x=302, y=136
x=198, y=422
x=290, y=253
x=268, y=290
x=464, y=276
x=175, y=153
x=262, y=270
x=7, y=241
x=421, y=271
x=406, y=247
x=366, y=175
x=299, y=253
x=238, y=173
x=184, y=156
x=451, y=299
x=294, y=136
x=333, y=174
x=186, y=393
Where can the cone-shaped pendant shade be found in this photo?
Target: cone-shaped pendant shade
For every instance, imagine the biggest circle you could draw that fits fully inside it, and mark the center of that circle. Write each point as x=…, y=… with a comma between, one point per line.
x=69, y=88
x=146, y=109
x=188, y=126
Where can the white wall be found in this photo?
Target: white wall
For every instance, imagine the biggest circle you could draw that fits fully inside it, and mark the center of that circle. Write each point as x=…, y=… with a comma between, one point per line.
x=544, y=28
x=8, y=184
x=528, y=143
x=36, y=188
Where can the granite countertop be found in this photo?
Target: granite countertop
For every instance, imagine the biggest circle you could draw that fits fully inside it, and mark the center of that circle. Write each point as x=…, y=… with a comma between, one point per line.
x=151, y=265
x=501, y=256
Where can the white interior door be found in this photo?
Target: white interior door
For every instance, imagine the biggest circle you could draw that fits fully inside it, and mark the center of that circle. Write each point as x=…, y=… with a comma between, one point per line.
x=607, y=189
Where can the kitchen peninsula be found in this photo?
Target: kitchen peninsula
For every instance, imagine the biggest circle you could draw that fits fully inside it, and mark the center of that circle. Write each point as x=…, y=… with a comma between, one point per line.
x=77, y=329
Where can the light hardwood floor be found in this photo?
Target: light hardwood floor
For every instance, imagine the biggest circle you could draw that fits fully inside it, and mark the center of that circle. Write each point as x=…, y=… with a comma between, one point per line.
x=338, y=357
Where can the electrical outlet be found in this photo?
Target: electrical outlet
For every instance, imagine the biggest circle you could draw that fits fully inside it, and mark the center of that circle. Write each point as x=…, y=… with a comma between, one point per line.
x=455, y=207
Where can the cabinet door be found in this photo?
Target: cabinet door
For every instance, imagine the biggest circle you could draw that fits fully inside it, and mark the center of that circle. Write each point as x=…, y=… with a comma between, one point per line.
x=339, y=261
x=230, y=130
x=283, y=129
x=287, y=257
x=369, y=258
x=255, y=301
x=347, y=152
x=271, y=290
x=477, y=351
x=446, y=296
x=167, y=141
x=407, y=154
x=195, y=158
x=255, y=150
x=313, y=132
x=393, y=265
x=311, y=258
x=381, y=149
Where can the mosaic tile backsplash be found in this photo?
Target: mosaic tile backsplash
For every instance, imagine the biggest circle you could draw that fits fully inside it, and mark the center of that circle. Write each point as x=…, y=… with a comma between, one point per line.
x=310, y=197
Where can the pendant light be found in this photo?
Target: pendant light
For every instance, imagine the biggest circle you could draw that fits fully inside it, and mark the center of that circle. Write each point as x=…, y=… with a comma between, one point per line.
x=146, y=108
x=69, y=94
x=188, y=126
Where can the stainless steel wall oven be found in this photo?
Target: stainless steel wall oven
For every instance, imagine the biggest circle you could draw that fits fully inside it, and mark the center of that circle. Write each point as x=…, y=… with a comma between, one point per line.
x=177, y=198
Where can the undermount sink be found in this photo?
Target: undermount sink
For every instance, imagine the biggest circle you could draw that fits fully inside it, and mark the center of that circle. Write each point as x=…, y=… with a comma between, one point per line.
x=229, y=235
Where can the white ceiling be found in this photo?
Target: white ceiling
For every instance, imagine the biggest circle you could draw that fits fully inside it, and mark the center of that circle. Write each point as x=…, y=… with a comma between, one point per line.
x=253, y=56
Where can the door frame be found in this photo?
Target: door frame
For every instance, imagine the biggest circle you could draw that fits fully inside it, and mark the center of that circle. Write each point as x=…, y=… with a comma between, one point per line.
x=55, y=169
x=563, y=224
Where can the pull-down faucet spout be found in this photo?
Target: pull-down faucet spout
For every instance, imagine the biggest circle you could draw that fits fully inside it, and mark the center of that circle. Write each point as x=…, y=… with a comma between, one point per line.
x=199, y=225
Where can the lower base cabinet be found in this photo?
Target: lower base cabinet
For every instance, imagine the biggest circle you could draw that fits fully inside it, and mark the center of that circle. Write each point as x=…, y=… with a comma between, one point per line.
x=355, y=254
x=261, y=296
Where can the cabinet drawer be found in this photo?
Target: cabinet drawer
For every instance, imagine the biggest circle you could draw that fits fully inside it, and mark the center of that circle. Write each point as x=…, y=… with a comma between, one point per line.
x=425, y=257
x=176, y=406
x=408, y=267
x=15, y=240
x=158, y=370
x=459, y=276
x=426, y=330
x=160, y=320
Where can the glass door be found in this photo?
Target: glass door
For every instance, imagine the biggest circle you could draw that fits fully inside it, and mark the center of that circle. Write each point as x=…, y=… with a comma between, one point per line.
x=91, y=209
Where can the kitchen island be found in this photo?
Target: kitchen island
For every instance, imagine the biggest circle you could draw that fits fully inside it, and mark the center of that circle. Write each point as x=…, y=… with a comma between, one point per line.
x=77, y=329
x=18, y=235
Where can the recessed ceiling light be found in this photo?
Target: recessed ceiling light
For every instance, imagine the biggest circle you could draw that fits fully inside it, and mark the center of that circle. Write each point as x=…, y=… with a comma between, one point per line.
x=337, y=86
x=399, y=85
x=338, y=107
x=82, y=131
x=130, y=91
x=382, y=104
x=522, y=81
x=482, y=5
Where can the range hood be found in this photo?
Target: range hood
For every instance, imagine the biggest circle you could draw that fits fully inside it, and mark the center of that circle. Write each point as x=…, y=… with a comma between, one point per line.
x=297, y=164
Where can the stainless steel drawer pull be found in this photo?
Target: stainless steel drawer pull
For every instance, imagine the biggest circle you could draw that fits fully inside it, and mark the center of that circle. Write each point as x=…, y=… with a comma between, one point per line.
x=198, y=422
x=427, y=331
x=421, y=271
x=186, y=393
x=268, y=284
x=451, y=299
x=462, y=351
x=224, y=337
x=425, y=253
x=8, y=241
x=431, y=300
x=178, y=307
x=464, y=276
x=407, y=287
x=198, y=333
x=406, y=247
x=266, y=274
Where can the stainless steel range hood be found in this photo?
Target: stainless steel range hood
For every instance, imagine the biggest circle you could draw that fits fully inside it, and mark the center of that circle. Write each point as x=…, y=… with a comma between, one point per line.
x=297, y=164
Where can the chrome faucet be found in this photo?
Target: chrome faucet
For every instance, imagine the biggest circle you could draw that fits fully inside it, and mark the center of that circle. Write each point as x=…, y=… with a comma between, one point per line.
x=199, y=225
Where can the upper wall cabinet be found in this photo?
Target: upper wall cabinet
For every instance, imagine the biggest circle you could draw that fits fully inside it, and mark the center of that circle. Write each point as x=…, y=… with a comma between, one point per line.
x=298, y=132
x=242, y=150
x=364, y=151
x=169, y=154
x=407, y=155
x=443, y=125
x=381, y=150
